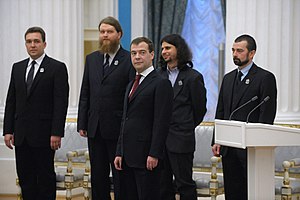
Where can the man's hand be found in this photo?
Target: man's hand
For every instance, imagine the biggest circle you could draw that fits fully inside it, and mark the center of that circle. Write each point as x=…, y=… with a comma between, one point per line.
x=151, y=163
x=9, y=140
x=118, y=162
x=55, y=142
x=216, y=149
x=83, y=133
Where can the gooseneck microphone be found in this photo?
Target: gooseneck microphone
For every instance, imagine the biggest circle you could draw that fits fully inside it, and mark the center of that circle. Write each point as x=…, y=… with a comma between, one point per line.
x=262, y=102
x=252, y=99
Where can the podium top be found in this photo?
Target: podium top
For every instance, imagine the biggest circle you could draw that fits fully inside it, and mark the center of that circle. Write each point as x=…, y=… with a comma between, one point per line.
x=241, y=134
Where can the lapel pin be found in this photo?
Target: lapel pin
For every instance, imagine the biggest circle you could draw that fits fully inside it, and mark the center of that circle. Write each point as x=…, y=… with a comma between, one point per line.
x=42, y=70
x=116, y=62
x=180, y=82
x=247, y=81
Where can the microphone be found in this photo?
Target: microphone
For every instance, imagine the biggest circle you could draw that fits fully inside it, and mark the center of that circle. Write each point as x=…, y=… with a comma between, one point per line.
x=252, y=99
x=262, y=102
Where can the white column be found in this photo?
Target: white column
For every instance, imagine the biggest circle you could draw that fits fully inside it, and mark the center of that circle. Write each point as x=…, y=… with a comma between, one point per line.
x=137, y=18
x=62, y=21
x=275, y=25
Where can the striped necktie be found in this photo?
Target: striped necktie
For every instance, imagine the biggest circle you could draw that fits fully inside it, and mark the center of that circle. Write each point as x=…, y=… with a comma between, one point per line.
x=106, y=64
x=30, y=76
x=135, y=84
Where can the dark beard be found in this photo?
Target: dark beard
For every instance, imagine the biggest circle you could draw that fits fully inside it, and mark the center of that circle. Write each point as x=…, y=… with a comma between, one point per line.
x=110, y=47
x=238, y=62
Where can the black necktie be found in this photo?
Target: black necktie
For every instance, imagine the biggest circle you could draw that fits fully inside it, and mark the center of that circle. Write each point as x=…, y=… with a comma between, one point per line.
x=106, y=64
x=239, y=77
x=30, y=76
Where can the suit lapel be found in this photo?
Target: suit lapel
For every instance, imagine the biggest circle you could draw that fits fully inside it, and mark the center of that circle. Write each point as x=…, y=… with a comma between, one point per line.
x=98, y=66
x=178, y=85
x=115, y=63
x=229, y=85
x=246, y=82
x=164, y=74
x=42, y=69
x=126, y=99
x=148, y=79
x=179, y=82
x=23, y=75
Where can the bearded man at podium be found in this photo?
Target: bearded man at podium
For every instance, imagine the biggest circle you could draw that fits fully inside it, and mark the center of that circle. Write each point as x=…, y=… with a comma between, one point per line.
x=247, y=94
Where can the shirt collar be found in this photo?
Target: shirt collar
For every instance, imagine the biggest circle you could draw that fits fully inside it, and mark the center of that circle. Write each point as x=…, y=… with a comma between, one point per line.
x=147, y=71
x=246, y=69
x=172, y=70
x=38, y=61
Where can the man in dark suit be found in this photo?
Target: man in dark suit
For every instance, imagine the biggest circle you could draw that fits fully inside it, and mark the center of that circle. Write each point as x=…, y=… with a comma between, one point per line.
x=35, y=113
x=106, y=75
x=189, y=108
x=235, y=91
x=145, y=123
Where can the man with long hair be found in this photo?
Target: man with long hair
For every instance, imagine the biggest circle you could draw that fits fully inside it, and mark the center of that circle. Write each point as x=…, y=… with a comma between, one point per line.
x=189, y=108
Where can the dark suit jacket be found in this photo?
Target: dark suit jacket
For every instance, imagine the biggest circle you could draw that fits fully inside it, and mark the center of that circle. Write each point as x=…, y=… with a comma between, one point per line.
x=101, y=97
x=258, y=82
x=189, y=108
x=145, y=121
x=42, y=113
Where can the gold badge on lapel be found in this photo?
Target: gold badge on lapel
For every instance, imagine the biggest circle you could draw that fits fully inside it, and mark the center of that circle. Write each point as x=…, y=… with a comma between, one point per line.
x=42, y=70
x=180, y=82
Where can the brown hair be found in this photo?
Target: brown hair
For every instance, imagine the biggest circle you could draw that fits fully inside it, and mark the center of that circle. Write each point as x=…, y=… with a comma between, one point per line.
x=36, y=29
x=113, y=22
x=138, y=40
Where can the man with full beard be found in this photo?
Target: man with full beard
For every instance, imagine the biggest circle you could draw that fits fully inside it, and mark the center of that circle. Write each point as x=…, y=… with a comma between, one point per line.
x=106, y=75
x=238, y=87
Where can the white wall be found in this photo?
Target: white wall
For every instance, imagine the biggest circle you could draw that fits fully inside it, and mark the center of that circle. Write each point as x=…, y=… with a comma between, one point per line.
x=276, y=27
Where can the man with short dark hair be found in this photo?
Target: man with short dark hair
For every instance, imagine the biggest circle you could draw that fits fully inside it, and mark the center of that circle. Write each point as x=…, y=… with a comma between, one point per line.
x=145, y=123
x=35, y=114
x=238, y=87
x=106, y=75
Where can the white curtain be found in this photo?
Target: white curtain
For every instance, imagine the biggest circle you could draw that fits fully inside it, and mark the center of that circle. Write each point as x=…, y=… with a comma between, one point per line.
x=203, y=30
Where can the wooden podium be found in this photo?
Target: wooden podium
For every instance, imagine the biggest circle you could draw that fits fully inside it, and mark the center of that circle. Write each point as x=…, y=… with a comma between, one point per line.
x=260, y=140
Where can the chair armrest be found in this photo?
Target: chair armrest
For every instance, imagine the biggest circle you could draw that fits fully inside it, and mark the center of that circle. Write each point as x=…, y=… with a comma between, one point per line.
x=87, y=177
x=70, y=181
x=214, y=183
x=287, y=165
x=74, y=154
x=19, y=192
x=87, y=162
x=295, y=162
x=286, y=190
